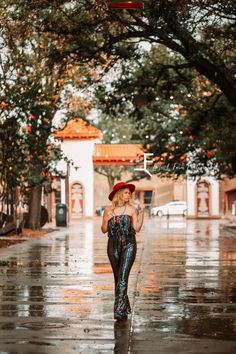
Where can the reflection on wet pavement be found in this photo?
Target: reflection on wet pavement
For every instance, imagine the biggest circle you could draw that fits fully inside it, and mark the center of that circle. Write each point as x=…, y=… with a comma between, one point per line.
x=56, y=293
x=188, y=291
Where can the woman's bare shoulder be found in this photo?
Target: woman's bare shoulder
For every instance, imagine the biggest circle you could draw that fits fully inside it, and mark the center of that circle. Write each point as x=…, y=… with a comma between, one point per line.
x=108, y=209
x=132, y=208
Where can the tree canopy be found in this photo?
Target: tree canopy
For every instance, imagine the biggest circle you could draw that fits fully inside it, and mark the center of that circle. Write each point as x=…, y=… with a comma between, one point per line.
x=176, y=113
x=201, y=31
x=33, y=88
x=193, y=80
x=118, y=130
x=199, y=73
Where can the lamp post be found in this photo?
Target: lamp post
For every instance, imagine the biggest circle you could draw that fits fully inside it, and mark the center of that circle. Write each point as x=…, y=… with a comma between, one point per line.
x=67, y=186
x=125, y=4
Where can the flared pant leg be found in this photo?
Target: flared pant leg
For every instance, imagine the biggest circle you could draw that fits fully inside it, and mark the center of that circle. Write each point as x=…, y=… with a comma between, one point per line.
x=121, y=253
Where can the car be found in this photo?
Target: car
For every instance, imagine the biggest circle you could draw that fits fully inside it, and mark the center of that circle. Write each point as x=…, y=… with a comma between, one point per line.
x=99, y=210
x=176, y=207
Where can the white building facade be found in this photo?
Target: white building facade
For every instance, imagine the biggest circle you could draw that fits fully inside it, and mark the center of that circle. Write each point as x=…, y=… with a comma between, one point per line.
x=203, y=198
x=79, y=143
x=77, y=189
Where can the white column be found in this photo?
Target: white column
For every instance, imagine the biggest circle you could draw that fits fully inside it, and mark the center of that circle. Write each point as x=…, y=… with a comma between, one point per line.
x=63, y=191
x=191, y=198
x=215, y=198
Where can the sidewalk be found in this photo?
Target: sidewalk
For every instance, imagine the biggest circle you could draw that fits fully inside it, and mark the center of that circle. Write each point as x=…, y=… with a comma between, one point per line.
x=56, y=293
x=229, y=225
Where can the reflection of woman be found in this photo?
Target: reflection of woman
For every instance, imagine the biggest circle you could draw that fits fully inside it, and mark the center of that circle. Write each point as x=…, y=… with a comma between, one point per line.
x=121, y=222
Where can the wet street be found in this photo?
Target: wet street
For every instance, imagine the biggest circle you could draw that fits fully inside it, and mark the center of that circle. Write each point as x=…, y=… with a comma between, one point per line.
x=56, y=293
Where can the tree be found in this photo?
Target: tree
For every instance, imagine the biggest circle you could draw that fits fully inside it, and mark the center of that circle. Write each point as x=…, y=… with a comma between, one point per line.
x=33, y=87
x=176, y=113
x=118, y=130
x=26, y=157
x=201, y=31
x=11, y=158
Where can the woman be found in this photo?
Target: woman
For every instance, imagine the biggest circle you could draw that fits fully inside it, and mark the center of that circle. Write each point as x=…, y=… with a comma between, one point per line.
x=121, y=222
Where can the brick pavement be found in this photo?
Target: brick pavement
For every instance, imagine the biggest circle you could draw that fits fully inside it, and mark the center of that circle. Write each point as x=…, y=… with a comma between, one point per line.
x=56, y=293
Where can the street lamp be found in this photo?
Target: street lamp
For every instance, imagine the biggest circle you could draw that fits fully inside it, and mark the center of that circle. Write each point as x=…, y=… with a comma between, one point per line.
x=125, y=4
x=76, y=168
x=67, y=183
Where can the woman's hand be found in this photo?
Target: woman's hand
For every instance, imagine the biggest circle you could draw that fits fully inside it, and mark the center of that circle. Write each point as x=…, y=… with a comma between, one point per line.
x=105, y=218
x=141, y=207
x=138, y=216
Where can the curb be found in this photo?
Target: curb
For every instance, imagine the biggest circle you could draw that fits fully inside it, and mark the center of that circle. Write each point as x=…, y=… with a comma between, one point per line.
x=231, y=229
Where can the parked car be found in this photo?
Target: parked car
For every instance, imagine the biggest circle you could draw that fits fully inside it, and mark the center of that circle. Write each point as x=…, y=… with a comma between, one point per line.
x=99, y=210
x=173, y=208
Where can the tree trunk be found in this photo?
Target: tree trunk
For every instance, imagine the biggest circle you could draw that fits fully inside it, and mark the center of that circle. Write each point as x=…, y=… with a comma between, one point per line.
x=206, y=63
x=35, y=208
x=219, y=76
x=111, y=181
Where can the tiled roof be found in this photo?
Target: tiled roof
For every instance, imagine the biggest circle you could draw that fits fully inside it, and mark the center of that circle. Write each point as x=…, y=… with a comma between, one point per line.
x=229, y=184
x=78, y=129
x=125, y=154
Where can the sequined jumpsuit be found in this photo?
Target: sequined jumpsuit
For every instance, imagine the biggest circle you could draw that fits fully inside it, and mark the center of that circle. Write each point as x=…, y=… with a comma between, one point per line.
x=121, y=250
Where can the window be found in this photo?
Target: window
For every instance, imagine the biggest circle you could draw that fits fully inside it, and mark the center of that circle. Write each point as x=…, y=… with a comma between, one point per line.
x=58, y=196
x=147, y=197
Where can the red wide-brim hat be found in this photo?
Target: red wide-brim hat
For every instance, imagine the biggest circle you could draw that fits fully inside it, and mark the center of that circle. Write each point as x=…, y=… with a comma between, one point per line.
x=121, y=185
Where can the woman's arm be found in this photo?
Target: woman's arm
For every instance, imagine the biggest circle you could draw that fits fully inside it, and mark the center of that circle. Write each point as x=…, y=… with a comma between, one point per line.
x=105, y=218
x=138, y=219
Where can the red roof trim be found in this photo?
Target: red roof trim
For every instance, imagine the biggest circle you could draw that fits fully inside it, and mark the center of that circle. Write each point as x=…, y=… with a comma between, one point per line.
x=78, y=129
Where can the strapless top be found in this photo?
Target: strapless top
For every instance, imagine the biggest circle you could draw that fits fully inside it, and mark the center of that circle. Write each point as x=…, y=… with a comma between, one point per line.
x=121, y=225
